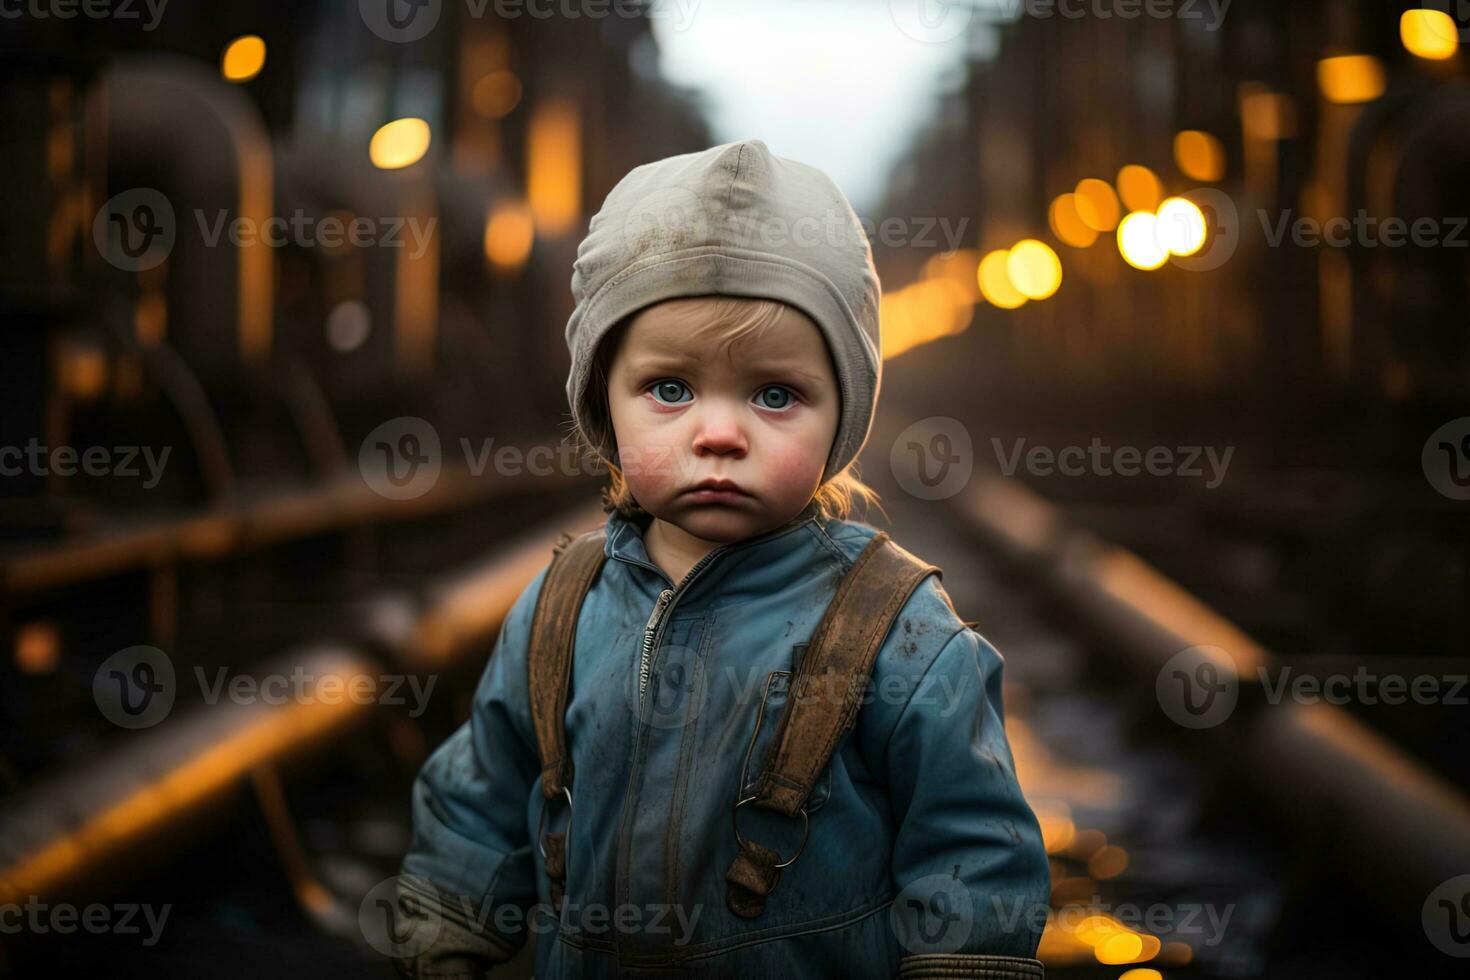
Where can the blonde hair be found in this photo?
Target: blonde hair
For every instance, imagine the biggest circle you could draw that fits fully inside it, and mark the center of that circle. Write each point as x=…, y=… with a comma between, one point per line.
x=733, y=317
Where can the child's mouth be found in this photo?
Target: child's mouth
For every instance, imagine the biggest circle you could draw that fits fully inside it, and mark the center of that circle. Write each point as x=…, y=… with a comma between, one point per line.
x=717, y=492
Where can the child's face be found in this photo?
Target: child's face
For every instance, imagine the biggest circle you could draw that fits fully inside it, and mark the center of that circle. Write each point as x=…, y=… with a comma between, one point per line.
x=688, y=407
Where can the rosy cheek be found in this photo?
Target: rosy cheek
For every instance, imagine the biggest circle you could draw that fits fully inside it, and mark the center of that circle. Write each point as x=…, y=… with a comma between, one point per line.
x=794, y=467
x=650, y=461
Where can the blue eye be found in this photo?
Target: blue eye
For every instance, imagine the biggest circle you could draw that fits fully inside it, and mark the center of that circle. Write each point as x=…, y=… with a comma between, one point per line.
x=670, y=392
x=774, y=397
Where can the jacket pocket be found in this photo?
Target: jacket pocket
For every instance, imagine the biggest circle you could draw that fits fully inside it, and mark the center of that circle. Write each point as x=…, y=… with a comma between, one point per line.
x=768, y=708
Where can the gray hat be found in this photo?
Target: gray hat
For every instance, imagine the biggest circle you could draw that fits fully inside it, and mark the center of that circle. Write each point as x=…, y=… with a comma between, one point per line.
x=733, y=220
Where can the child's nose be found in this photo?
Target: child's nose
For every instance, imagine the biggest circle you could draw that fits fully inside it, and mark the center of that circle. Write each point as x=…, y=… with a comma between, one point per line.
x=719, y=434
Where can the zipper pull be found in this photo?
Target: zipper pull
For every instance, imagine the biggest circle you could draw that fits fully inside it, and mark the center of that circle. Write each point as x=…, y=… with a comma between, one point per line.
x=658, y=608
x=647, y=649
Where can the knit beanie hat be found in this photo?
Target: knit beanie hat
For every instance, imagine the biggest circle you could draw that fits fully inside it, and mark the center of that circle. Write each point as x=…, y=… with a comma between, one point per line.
x=734, y=220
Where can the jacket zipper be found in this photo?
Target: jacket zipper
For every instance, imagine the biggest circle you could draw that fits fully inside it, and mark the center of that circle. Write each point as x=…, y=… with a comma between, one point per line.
x=648, y=632
x=656, y=622
x=668, y=597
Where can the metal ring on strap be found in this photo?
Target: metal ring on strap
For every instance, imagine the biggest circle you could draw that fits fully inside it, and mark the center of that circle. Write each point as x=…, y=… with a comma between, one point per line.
x=541, y=822
x=806, y=827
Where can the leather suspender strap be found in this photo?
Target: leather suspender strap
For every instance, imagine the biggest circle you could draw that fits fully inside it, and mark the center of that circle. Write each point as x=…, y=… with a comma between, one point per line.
x=574, y=566
x=823, y=702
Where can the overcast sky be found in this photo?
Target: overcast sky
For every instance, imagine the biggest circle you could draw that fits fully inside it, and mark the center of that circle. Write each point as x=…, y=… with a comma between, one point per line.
x=840, y=84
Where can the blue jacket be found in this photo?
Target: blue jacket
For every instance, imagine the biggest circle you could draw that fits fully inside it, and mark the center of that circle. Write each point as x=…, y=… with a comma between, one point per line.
x=920, y=851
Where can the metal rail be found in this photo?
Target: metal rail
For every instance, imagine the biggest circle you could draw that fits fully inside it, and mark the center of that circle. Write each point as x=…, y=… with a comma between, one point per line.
x=1397, y=828
x=236, y=527
x=127, y=805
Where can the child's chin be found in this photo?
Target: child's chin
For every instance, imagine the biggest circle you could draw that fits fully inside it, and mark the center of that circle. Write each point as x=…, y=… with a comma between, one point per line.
x=719, y=523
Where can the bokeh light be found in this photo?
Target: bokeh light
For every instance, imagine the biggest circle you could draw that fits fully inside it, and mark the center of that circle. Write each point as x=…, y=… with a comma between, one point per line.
x=1199, y=155
x=995, y=281
x=1138, y=241
x=1067, y=224
x=1139, y=187
x=1181, y=226
x=243, y=59
x=497, y=94
x=1096, y=204
x=1429, y=34
x=1034, y=269
x=1350, y=78
x=399, y=144
x=509, y=234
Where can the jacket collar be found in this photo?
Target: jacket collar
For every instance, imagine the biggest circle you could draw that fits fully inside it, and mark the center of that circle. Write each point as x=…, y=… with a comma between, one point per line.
x=624, y=542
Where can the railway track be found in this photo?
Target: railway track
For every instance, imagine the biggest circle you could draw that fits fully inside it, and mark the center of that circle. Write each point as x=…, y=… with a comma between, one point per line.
x=1167, y=860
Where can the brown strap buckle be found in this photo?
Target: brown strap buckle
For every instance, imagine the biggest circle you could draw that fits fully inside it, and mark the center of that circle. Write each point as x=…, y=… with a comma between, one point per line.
x=559, y=844
x=541, y=822
x=806, y=826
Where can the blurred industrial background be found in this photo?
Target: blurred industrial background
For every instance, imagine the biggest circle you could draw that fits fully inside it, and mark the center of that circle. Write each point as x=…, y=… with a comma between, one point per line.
x=1177, y=391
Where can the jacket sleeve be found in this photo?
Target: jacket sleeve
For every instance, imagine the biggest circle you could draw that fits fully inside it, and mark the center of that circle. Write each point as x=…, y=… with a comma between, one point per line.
x=470, y=873
x=968, y=860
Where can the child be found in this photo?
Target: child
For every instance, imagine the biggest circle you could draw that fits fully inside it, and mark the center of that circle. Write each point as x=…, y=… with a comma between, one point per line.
x=725, y=366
